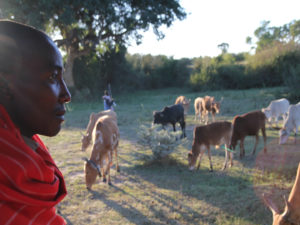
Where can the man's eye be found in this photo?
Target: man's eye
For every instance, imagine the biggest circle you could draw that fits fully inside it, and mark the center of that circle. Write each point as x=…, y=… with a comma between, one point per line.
x=53, y=77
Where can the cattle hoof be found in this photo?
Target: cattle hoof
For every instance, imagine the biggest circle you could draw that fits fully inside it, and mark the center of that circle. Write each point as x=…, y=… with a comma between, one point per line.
x=211, y=170
x=104, y=180
x=118, y=170
x=109, y=183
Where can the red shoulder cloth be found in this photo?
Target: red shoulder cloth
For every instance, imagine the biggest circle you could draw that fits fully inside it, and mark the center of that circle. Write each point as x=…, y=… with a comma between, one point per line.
x=30, y=182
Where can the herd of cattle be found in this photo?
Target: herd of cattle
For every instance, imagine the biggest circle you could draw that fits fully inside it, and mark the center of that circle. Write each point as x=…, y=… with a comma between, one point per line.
x=103, y=133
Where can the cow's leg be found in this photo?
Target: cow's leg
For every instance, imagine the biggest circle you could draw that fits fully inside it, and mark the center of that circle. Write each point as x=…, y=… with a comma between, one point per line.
x=213, y=116
x=296, y=131
x=117, y=159
x=209, y=157
x=103, y=169
x=174, y=126
x=276, y=121
x=256, y=142
x=207, y=117
x=263, y=130
x=242, y=149
x=226, y=158
x=182, y=125
x=108, y=167
x=202, y=150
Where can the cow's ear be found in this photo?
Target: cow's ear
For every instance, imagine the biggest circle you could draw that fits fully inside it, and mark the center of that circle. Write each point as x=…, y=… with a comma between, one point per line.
x=92, y=116
x=154, y=112
x=287, y=213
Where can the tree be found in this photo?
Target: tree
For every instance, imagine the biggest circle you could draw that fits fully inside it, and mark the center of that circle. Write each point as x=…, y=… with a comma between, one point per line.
x=224, y=47
x=86, y=25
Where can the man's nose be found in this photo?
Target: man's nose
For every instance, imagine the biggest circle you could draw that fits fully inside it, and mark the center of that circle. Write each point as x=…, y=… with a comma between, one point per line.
x=65, y=95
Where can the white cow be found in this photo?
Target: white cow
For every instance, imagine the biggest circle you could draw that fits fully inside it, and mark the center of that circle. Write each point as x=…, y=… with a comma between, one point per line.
x=291, y=123
x=275, y=109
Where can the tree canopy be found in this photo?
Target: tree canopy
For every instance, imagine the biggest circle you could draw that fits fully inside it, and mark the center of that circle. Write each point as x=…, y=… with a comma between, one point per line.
x=267, y=36
x=86, y=25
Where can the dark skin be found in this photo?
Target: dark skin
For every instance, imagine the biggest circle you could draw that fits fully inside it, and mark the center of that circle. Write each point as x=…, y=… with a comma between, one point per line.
x=37, y=93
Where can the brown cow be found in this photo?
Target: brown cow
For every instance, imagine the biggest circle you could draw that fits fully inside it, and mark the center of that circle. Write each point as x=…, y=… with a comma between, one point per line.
x=86, y=139
x=216, y=133
x=291, y=214
x=209, y=105
x=184, y=102
x=105, y=142
x=248, y=124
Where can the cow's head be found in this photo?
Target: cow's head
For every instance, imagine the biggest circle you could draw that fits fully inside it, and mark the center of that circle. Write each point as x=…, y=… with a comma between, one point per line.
x=157, y=117
x=85, y=141
x=285, y=218
x=192, y=159
x=283, y=135
x=267, y=112
x=91, y=170
x=216, y=106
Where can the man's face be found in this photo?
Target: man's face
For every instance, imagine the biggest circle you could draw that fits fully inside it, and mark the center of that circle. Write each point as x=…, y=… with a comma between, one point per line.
x=39, y=93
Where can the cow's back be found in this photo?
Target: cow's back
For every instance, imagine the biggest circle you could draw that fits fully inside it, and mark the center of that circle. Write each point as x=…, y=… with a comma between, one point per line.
x=279, y=106
x=95, y=116
x=174, y=110
x=249, y=123
x=108, y=127
x=212, y=133
x=294, y=114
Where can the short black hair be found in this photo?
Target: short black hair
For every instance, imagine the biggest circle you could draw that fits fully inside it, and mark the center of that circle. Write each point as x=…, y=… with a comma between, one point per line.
x=17, y=43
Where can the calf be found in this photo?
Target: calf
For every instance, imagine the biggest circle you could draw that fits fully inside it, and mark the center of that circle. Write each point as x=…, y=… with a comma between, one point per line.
x=184, y=102
x=216, y=133
x=86, y=139
x=209, y=105
x=291, y=123
x=105, y=142
x=275, y=109
x=171, y=114
x=248, y=124
x=291, y=214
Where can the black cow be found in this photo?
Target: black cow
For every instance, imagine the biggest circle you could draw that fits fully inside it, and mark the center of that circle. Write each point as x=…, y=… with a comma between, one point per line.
x=171, y=114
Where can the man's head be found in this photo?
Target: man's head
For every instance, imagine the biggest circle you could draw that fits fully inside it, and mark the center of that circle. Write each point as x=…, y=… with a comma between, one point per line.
x=32, y=89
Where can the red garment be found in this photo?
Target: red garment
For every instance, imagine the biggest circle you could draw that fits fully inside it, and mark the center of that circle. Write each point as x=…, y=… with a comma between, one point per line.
x=30, y=182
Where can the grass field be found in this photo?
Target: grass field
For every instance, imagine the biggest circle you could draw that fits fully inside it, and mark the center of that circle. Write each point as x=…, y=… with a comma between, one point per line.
x=168, y=193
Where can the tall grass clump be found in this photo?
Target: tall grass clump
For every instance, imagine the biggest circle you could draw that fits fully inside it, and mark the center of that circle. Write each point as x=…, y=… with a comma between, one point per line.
x=161, y=142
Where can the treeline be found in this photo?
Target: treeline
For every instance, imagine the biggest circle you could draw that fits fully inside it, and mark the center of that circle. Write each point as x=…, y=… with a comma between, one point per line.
x=275, y=63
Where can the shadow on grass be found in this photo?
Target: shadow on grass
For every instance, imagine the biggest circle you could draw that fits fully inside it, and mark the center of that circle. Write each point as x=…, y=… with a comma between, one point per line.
x=129, y=212
x=219, y=189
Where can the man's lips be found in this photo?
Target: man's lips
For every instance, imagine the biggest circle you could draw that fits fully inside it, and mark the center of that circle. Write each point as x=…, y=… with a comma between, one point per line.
x=60, y=114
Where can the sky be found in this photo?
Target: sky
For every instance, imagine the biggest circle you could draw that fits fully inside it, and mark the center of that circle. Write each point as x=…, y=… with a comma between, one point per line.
x=212, y=22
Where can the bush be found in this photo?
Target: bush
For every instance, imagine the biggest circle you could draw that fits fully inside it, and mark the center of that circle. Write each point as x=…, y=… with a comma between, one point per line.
x=161, y=142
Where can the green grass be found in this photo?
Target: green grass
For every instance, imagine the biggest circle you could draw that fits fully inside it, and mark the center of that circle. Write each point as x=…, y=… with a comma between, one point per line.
x=167, y=192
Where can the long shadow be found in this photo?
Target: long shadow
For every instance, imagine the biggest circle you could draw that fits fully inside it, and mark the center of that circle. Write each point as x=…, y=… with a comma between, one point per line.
x=193, y=184
x=129, y=212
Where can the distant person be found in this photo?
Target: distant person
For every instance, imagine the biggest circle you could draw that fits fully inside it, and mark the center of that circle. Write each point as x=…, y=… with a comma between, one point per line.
x=32, y=101
x=108, y=101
